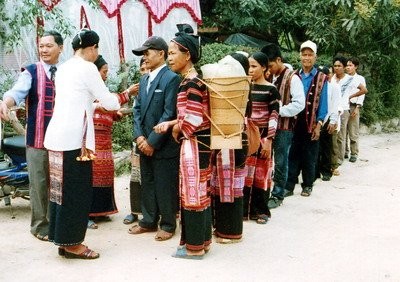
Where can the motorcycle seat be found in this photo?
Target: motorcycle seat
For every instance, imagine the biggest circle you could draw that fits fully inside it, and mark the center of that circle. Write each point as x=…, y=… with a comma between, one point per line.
x=14, y=142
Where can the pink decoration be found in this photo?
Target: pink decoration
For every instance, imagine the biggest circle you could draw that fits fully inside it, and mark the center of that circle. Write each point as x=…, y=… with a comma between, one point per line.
x=49, y=4
x=111, y=7
x=159, y=9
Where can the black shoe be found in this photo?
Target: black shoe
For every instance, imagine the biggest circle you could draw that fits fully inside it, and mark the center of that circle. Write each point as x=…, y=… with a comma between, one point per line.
x=287, y=193
x=306, y=191
x=346, y=156
x=326, y=177
x=353, y=159
x=274, y=202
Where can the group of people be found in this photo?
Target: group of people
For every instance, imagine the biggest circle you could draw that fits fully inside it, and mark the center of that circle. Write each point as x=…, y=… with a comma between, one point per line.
x=69, y=121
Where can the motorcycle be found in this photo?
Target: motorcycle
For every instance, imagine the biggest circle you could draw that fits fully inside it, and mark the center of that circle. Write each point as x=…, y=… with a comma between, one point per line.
x=14, y=180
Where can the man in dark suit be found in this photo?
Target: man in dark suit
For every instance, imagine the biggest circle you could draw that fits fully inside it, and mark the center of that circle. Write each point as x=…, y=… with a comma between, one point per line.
x=159, y=153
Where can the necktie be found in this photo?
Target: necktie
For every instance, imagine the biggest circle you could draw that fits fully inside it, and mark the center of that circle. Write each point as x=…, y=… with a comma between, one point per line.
x=53, y=70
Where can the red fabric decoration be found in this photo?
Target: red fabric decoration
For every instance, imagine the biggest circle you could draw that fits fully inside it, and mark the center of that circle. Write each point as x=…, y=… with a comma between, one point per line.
x=49, y=4
x=120, y=38
x=149, y=26
x=39, y=29
x=159, y=9
x=84, y=23
x=111, y=7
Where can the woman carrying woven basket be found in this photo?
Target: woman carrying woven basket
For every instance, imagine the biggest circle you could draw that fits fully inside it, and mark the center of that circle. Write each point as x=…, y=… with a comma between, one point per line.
x=263, y=112
x=192, y=129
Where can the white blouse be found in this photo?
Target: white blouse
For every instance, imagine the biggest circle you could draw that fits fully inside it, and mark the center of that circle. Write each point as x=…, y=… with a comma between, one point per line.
x=78, y=84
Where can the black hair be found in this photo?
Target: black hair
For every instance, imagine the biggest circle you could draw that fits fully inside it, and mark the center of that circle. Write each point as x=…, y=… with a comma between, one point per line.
x=341, y=59
x=261, y=58
x=56, y=35
x=243, y=60
x=354, y=60
x=272, y=51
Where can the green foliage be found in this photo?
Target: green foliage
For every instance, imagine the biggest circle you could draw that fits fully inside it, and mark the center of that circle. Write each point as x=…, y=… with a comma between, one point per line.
x=24, y=14
x=127, y=75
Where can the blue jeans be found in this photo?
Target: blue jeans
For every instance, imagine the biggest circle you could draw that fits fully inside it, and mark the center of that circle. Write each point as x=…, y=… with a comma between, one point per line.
x=282, y=144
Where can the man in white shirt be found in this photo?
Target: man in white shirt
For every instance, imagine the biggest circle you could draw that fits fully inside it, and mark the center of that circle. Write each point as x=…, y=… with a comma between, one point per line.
x=357, y=90
x=344, y=81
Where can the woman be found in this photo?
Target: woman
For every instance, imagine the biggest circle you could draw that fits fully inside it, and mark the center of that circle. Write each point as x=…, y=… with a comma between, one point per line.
x=135, y=187
x=70, y=141
x=192, y=128
x=103, y=200
x=263, y=111
x=228, y=211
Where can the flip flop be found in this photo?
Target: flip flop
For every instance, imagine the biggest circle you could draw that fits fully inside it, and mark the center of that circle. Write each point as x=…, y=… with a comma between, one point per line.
x=182, y=253
x=92, y=225
x=130, y=218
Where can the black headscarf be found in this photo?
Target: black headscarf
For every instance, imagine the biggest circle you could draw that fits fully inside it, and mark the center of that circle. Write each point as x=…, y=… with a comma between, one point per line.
x=100, y=62
x=190, y=42
x=85, y=38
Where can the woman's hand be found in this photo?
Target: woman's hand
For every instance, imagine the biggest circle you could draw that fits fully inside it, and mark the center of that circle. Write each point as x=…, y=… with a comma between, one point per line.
x=266, y=149
x=162, y=127
x=133, y=90
x=176, y=131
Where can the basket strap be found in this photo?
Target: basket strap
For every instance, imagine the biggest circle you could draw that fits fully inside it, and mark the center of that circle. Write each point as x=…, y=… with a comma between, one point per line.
x=219, y=129
x=226, y=99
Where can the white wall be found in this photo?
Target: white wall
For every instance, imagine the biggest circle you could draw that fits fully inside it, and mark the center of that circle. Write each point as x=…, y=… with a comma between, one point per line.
x=134, y=26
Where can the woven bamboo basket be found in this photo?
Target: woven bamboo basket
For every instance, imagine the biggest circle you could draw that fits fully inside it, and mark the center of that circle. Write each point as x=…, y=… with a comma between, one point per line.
x=228, y=100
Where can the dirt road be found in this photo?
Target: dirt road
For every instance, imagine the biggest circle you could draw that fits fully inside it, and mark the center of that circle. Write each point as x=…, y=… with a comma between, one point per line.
x=348, y=230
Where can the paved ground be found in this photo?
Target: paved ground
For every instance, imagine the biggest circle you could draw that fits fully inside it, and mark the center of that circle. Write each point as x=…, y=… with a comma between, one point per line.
x=348, y=230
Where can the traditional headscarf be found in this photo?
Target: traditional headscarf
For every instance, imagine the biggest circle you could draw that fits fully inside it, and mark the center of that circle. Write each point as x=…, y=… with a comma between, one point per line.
x=85, y=38
x=186, y=39
x=100, y=62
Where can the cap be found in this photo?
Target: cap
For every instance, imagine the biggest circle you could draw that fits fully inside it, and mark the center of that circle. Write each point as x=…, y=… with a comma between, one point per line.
x=153, y=42
x=309, y=44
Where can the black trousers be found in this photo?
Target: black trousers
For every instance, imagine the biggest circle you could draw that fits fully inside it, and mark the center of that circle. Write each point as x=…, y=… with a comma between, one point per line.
x=159, y=198
x=324, y=162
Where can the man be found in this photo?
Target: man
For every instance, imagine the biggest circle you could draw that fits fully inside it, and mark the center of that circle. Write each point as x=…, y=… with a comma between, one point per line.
x=159, y=153
x=344, y=81
x=291, y=90
x=329, y=130
x=36, y=85
x=304, y=151
x=357, y=90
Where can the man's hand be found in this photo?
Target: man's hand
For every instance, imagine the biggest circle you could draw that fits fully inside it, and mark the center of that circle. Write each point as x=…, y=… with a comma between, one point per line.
x=143, y=146
x=355, y=112
x=4, y=111
x=316, y=132
x=332, y=128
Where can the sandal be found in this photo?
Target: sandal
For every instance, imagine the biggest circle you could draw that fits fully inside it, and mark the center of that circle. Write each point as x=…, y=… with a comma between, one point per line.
x=163, y=235
x=182, y=253
x=92, y=225
x=86, y=254
x=42, y=237
x=130, y=218
x=262, y=219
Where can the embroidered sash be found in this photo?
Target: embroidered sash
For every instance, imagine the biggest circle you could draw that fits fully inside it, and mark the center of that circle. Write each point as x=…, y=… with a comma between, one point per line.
x=226, y=172
x=190, y=172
